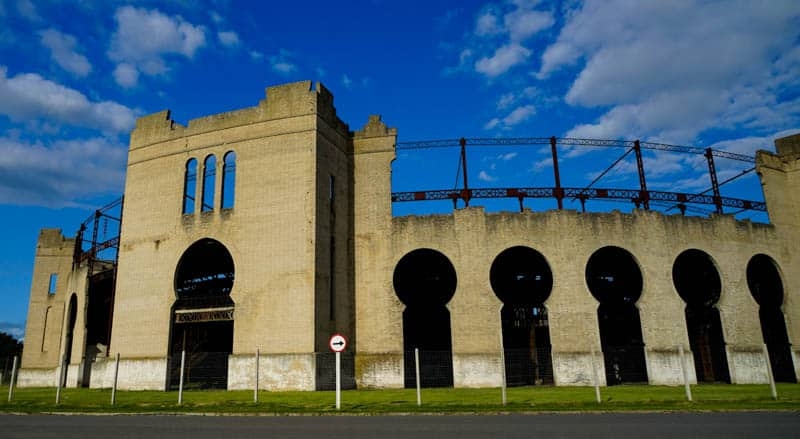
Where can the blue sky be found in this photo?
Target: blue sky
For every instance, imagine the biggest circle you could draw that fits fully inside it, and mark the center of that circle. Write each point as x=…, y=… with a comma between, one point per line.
x=74, y=76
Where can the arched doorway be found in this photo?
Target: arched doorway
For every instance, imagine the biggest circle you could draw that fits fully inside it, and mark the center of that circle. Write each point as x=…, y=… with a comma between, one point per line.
x=766, y=286
x=202, y=317
x=615, y=280
x=522, y=280
x=698, y=283
x=425, y=281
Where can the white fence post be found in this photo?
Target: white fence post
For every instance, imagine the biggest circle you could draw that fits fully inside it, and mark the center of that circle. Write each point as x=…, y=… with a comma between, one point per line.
x=255, y=390
x=503, y=384
x=114, y=384
x=596, y=379
x=769, y=374
x=13, y=379
x=416, y=372
x=61, y=374
x=180, y=382
x=685, y=374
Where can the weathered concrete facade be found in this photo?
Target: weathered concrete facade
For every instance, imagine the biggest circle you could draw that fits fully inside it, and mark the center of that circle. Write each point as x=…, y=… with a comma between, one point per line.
x=314, y=248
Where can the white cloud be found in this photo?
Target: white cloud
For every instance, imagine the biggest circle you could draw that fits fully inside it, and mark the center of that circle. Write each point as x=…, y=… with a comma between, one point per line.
x=27, y=9
x=346, y=81
x=16, y=330
x=503, y=59
x=29, y=96
x=487, y=24
x=62, y=49
x=56, y=175
x=508, y=156
x=519, y=115
x=492, y=124
x=216, y=17
x=126, y=75
x=256, y=56
x=521, y=24
x=228, y=38
x=484, y=176
x=281, y=64
x=144, y=37
x=664, y=70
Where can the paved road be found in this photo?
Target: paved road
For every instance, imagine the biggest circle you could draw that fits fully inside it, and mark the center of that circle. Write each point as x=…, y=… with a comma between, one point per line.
x=617, y=426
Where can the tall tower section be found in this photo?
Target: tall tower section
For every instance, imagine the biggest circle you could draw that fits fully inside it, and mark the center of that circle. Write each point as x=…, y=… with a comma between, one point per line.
x=235, y=239
x=780, y=180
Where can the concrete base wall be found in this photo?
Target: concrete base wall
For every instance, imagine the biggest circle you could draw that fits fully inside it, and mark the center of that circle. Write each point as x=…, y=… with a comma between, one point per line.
x=275, y=372
x=747, y=365
x=477, y=370
x=142, y=374
x=379, y=371
x=37, y=377
x=575, y=369
x=664, y=367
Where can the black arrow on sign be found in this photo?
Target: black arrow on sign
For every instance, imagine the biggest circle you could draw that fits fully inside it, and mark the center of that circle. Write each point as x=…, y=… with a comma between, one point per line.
x=338, y=343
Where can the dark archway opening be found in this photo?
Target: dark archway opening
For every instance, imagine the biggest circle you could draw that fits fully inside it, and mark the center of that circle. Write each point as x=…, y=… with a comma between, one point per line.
x=425, y=281
x=766, y=287
x=522, y=280
x=614, y=279
x=698, y=283
x=202, y=317
x=99, y=308
x=72, y=317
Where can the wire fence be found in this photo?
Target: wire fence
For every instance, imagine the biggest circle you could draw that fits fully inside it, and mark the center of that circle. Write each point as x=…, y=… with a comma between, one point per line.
x=198, y=371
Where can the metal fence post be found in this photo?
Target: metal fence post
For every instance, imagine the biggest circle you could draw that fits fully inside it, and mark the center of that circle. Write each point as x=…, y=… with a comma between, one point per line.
x=685, y=374
x=416, y=372
x=114, y=384
x=180, y=382
x=255, y=391
x=504, y=384
x=13, y=379
x=61, y=375
x=769, y=373
x=596, y=379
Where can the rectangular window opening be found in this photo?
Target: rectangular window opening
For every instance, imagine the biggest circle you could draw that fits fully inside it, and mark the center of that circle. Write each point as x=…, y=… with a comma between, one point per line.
x=51, y=290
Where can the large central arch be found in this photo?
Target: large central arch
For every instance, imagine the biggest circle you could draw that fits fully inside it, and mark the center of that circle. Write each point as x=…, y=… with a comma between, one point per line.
x=698, y=283
x=615, y=280
x=425, y=280
x=202, y=316
x=522, y=280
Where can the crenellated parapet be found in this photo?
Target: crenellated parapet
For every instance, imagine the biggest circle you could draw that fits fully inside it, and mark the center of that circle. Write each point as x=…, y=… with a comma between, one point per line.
x=281, y=102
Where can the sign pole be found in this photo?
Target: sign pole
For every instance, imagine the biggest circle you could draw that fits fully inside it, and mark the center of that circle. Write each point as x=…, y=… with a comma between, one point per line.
x=338, y=344
x=338, y=380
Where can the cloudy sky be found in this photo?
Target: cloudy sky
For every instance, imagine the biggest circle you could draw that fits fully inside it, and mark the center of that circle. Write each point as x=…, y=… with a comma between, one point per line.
x=74, y=76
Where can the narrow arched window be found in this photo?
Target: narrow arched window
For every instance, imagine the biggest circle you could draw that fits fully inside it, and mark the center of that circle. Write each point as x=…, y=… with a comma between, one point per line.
x=209, y=176
x=189, y=186
x=228, y=180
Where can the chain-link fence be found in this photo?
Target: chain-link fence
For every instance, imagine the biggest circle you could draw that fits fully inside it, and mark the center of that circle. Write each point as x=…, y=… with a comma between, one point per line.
x=421, y=369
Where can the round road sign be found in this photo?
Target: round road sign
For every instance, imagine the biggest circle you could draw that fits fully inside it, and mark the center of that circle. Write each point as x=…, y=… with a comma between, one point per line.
x=337, y=343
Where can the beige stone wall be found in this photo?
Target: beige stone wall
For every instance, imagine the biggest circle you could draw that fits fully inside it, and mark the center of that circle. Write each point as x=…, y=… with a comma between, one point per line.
x=471, y=239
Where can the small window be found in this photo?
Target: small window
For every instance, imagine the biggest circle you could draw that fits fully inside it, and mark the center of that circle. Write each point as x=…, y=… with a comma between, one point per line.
x=209, y=177
x=228, y=179
x=51, y=290
x=189, y=186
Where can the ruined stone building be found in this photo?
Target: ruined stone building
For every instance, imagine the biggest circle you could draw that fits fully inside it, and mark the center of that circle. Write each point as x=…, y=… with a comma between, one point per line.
x=270, y=228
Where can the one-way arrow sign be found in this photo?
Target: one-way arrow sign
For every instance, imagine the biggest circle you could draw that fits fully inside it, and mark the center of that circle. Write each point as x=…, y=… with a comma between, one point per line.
x=337, y=343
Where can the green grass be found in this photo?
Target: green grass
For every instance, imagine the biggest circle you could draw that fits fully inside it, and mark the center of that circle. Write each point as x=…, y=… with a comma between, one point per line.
x=520, y=399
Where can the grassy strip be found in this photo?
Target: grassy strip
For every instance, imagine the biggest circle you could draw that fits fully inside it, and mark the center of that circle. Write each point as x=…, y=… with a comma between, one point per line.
x=521, y=399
